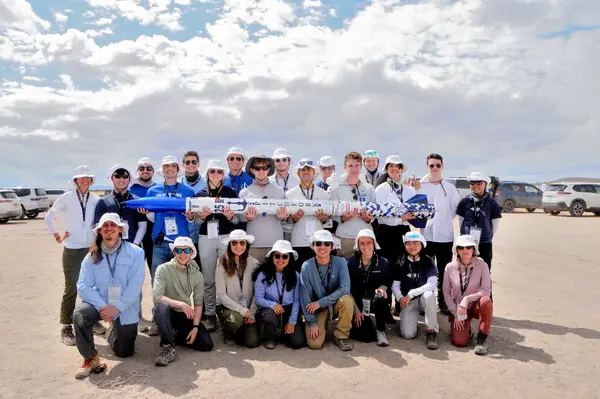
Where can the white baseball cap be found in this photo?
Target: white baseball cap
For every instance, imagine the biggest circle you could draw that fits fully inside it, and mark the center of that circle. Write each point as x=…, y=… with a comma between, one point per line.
x=366, y=233
x=466, y=240
x=283, y=247
x=145, y=161
x=480, y=176
x=183, y=242
x=326, y=161
x=281, y=153
x=235, y=150
x=414, y=236
x=82, y=171
x=112, y=217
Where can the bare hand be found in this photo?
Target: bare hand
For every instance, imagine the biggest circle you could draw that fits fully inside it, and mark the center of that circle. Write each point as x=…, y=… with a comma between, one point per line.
x=250, y=215
x=365, y=215
x=108, y=313
x=142, y=210
x=187, y=309
x=282, y=213
x=290, y=328
x=349, y=215
x=314, y=332
x=408, y=216
x=404, y=301
x=462, y=311
x=247, y=314
x=60, y=239
x=192, y=336
x=204, y=213
x=249, y=320
x=228, y=213
x=278, y=309
x=322, y=216
x=416, y=184
x=358, y=318
x=189, y=215
x=312, y=307
x=382, y=292
x=298, y=215
x=459, y=324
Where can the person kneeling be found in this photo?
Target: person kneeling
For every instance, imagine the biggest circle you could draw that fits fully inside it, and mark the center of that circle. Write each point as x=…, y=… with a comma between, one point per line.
x=110, y=283
x=415, y=280
x=277, y=292
x=325, y=290
x=369, y=280
x=174, y=283
x=467, y=292
x=236, y=307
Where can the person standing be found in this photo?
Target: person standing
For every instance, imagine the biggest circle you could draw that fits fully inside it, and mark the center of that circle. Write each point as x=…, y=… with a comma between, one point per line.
x=327, y=168
x=193, y=179
x=139, y=187
x=439, y=231
x=237, y=178
x=284, y=180
x=371, y=161
x=75, y=209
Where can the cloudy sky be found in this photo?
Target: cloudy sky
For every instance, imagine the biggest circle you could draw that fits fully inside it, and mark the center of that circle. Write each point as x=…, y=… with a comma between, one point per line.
x=509, y=87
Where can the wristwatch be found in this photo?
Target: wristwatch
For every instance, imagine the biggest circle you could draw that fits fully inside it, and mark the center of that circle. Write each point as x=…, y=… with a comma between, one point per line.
x=196, y=326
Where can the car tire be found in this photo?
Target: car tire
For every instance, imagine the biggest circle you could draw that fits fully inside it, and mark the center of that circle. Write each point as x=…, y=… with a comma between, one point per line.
x=546, y=211
x=577, y=208
x=508, y=206
x=4, y=221
x=530, y=210
x=32, y=215
x=554, y=213
x=23, y=213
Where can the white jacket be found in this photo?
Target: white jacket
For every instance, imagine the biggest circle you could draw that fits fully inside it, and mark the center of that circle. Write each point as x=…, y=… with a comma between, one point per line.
x=68, y=209
x=385, y=193
x=445, y=198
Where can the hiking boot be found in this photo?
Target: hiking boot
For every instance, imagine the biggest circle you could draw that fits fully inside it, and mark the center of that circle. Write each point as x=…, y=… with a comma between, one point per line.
x=432, y=342
x=382, y=339
x=167, y=355
x=99, y=329
x=210, y=323
x=227, y=341
x=270, y=345
x=344, y=345
x=153, y=330
x=66, y=335
x=143, y=327
x=89, y=366
x=481, y=347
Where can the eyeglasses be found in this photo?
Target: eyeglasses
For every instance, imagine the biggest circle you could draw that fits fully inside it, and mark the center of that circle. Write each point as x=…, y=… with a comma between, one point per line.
x=121, y=175
x=305, y=163
x=283, y=160
x=236, y=243
x=191, y=161
x=321, y=243
x=186, y=251
x=435, y=165
x=143, y=168
x=460, y=248
x=263, y=168
x=213, y=171
x=370, y=154
x=476, y=183
x=281, y=256
x=327, y=168
x=239, y=159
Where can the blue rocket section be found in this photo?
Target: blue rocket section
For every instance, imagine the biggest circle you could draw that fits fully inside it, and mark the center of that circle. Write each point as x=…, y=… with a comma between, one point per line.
x=158, y=204
x=414, y=205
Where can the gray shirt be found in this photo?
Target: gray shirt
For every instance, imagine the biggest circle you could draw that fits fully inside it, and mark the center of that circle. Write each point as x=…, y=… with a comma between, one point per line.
x=266, y=229
x=364, y=192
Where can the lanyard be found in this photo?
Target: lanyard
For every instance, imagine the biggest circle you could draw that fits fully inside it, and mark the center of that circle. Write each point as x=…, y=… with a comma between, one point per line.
x=394, y=189
x=120, y=205
x=325, y=281
x=464, y=285
x=83, y=206
x=309, y=192
x=285, y=181
x=174, y=190
x=367, y=273
x=113, y=267
x=280, y=292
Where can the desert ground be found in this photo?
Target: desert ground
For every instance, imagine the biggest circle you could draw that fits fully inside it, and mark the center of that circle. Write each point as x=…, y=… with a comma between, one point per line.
x=544, y=343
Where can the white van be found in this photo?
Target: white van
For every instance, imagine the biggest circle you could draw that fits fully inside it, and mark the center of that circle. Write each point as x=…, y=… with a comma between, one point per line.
x=54, y=193
x=10, y=205
x=33, y=201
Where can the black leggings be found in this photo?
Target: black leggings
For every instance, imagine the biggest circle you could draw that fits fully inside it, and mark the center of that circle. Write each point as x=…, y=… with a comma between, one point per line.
x=366, y=332
x=272, y=326
x=442, y=252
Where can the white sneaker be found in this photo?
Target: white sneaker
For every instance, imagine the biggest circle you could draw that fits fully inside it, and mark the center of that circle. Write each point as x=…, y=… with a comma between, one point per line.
x=99, y=328
x=142, y=326
x=153, y=330
x=382, y=339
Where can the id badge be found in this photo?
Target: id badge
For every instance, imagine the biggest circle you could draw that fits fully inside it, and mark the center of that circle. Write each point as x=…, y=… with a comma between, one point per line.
x=328, y=224
x=310, y=226
x=114, y=295
x=171, y=226
x=475, y=232
x=366, y=307
x=126, y=230
x=212, y=228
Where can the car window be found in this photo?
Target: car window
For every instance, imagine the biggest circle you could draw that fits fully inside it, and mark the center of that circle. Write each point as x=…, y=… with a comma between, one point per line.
x=531, y=190
x=54, y=192
x=556, y=187
x=462, y=183
x=597, y=188
x=517, y=188
x=584, y=188
x=40, y=192
x=22, y=192
x=8, y=195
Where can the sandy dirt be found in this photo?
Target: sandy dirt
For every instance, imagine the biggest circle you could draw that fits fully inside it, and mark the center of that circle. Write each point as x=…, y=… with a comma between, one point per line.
x=544, y=343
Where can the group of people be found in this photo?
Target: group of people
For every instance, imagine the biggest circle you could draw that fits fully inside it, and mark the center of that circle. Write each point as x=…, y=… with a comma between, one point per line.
x=262, y=278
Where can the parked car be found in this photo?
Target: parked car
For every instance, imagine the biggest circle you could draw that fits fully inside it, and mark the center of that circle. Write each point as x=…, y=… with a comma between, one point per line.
x=511, y=195
x=33, y=201
x=576, y=198
x=53, y=194
x=10, y=205
x=463, y=187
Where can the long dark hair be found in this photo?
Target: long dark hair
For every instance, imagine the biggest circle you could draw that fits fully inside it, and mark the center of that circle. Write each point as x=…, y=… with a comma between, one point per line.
x=96, y=247
x=228, y=261
x=268, y=269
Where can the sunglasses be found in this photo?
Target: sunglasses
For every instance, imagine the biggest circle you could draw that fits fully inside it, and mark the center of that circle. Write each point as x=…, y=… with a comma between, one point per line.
x=327, y=168
x=435, y=165
x=370, y=154
x=459, y=248
x=476, y=183
x=283, y=160
x=121, y=176
x=239, y=159
x=213, y=171
x=186, y=251
x=354, y=194
x=236, y=243
x=305, y=163
x=321, y=243
x=263, y=168
x=281, y=256
x=191, y=161
x=143, y=168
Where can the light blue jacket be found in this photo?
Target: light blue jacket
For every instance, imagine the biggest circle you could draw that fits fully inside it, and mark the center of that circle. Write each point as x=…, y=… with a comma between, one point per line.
x=94, y=280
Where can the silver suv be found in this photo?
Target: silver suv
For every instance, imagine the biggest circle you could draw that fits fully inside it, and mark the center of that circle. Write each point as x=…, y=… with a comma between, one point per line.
x=33, y=201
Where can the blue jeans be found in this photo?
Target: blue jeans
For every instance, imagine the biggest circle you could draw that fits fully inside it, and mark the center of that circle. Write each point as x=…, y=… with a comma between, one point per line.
x=161, y=253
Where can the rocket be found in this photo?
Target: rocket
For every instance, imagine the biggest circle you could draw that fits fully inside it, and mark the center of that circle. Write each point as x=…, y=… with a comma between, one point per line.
x=417, y=205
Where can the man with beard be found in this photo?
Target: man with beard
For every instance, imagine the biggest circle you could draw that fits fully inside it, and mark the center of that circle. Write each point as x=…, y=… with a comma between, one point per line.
x=139, y=187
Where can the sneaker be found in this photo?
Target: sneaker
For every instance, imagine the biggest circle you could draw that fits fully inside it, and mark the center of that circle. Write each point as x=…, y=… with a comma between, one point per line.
x=210, y=323
x=481, y=347
x=99, y=329
x=269, y=345
x=143, y=327
x=66, y=335
x=382, y=339
x=432, y=342
x=226, y=341
x=153, y=330
x=89, y=366
x=344, y=345
x=167, y=355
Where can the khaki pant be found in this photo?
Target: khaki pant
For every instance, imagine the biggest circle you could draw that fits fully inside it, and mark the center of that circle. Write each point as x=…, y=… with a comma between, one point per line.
x=347, y=249
x=259, y=253
x=344, y=309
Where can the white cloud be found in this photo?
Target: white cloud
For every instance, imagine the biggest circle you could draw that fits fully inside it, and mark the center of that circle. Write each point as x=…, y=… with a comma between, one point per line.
x=19, y=14
x=97, y=33
x=60, y=18
x=103, y=21
x=158, y=13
